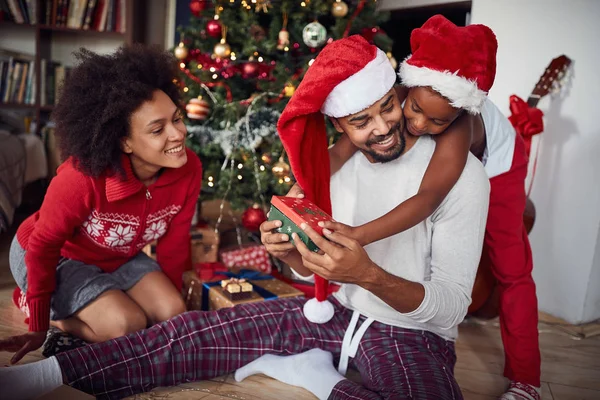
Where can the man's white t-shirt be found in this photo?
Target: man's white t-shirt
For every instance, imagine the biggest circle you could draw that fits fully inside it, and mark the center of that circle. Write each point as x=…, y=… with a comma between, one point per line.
x=441, y=252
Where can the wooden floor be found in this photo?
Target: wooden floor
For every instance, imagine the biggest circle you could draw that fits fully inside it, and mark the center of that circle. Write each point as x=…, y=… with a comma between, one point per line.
x=570, y=365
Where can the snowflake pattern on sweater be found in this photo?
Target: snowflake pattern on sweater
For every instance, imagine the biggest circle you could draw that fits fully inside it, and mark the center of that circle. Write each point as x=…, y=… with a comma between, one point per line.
x=118, y=231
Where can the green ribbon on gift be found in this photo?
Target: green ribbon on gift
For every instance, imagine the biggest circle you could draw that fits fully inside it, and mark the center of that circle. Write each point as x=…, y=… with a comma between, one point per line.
x=249, y=275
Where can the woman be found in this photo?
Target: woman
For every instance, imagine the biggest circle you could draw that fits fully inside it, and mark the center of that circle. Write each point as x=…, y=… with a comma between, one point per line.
x=128, y=180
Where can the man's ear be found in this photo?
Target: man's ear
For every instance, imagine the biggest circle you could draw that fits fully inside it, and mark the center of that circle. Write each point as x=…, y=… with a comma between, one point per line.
x=336, y=124
x=125, y=148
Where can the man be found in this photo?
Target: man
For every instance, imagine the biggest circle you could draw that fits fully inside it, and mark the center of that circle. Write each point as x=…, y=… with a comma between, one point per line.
x=408, y=292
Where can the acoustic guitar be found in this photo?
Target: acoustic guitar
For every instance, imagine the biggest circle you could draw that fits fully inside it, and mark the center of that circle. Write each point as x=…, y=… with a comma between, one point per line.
x=485, y=296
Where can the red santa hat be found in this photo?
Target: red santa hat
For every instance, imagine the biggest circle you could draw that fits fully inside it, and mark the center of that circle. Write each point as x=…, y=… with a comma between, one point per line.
x=348, y=76
x=457, y=62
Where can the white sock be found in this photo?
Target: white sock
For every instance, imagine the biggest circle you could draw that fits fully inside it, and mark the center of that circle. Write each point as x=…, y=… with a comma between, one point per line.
x=32, y=380
x=312, y=370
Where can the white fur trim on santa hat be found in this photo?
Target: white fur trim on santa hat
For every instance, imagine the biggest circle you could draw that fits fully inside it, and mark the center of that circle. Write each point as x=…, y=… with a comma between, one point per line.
x=318, y=312
x=361, y=90
x=461, y=92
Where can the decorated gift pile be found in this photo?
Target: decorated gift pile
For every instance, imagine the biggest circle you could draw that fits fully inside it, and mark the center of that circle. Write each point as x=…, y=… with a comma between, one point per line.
x=250, y=256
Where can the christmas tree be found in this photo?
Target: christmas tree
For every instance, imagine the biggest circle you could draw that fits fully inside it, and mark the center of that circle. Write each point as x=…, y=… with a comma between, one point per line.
x=240, y=62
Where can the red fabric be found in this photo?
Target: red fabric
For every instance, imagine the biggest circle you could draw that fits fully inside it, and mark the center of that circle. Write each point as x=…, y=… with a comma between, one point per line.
x=208, y=272
x=105, y=222
x=527, y=121
x=510, y=255
x=302, y=126
x=469, y=51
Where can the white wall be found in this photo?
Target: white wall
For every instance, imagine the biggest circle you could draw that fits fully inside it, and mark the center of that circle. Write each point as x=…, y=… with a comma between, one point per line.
x=566, y=189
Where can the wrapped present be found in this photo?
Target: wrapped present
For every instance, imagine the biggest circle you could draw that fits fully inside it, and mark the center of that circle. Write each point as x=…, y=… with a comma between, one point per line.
x=292, y=212
x=264, y=287
x=210, y=295
x=250, y=256
x=204, y=245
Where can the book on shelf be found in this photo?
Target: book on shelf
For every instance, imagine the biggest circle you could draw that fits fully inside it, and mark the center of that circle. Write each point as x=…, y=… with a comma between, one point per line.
x=19, y=11
x=17, y=77
x=97, y=15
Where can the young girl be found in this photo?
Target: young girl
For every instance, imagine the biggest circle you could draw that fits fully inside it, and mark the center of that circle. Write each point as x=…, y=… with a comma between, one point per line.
x=128, y=180
x=454, y=109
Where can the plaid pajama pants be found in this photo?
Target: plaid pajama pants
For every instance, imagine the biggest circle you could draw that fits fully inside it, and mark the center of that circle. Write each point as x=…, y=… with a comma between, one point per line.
x=394, y=363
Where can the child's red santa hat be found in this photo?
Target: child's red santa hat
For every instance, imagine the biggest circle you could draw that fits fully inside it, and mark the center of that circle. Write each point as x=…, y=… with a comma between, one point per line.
x=348, y=76
x=457, y=62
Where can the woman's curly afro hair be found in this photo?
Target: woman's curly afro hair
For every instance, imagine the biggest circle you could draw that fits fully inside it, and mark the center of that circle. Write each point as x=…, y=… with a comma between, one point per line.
x=97, y=100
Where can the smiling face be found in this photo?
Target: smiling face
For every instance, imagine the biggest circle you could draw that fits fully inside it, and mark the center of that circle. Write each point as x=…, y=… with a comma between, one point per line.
x=427, y=112
x=157, y=137
x=377, y=131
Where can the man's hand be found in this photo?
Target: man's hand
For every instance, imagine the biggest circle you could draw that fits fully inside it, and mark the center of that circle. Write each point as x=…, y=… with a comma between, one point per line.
x=346, y=230
x=342, y=259
x=22, y=344
x=278, y=244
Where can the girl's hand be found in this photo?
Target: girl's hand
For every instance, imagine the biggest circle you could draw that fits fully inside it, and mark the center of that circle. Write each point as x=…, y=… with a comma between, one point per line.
x=346, y=230
x=22, y=344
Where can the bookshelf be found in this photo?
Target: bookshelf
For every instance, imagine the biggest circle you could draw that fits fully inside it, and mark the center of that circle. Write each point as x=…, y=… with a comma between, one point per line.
x=53, y=38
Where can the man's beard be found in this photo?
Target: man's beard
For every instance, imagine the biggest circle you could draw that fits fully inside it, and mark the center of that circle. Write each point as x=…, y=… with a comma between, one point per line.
x=389, y=154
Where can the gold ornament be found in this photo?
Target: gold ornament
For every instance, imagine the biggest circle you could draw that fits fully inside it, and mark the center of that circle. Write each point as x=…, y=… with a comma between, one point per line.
x=339, y=9
x=392, y=60
x=262, y=5
x=222, y=49
x=181, y=52
x=281, y=169
x=289, y=90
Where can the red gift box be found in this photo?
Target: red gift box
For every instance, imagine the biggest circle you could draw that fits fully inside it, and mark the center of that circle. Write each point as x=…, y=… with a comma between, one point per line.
x=293, y=212
x=251, y=257
x=208, y=272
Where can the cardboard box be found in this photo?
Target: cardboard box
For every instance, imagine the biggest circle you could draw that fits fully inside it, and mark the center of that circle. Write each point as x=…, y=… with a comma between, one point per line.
x=293, y=212
x=204, y=244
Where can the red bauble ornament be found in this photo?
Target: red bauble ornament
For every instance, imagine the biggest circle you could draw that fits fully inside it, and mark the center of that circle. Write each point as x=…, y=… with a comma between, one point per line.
x=250, y=70
x=213, y=28
x=197, y=6
x=253, y=217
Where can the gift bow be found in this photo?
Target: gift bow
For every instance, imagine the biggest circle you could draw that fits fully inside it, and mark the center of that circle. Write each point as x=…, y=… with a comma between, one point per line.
x=248, y=274
x=526, y=120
